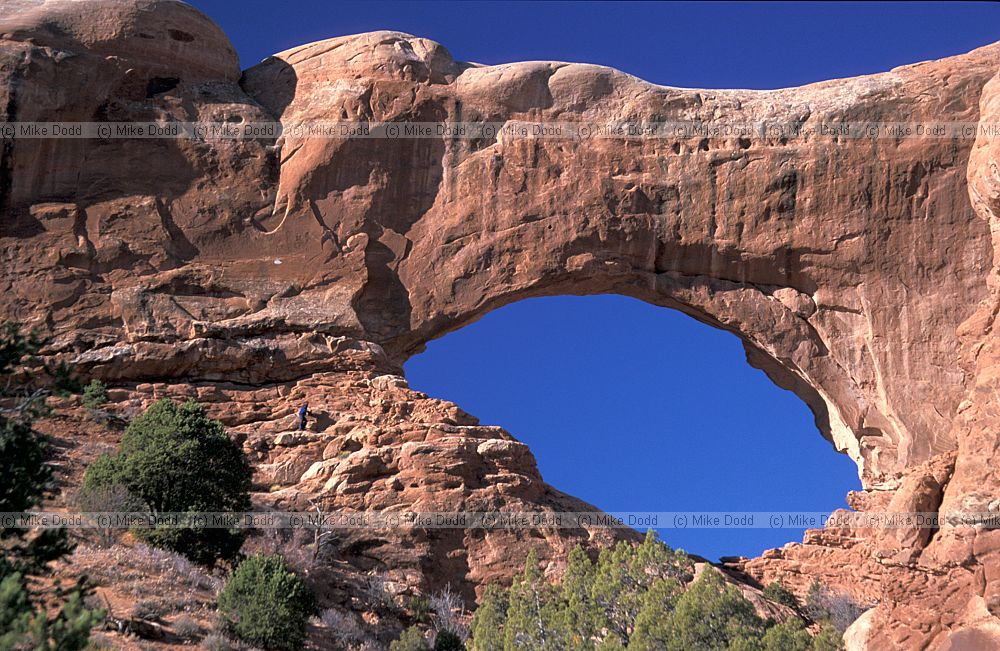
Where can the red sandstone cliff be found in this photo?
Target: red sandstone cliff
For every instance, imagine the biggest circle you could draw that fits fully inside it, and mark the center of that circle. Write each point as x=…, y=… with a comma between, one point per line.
x=251, y=274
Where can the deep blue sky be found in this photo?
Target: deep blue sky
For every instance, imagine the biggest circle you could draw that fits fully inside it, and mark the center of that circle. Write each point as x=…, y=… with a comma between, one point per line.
x=629, y=406
x=635, y=407
x=718, y=45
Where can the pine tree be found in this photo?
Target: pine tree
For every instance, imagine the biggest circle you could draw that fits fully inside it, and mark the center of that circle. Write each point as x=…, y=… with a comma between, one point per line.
x=790, y=635
x=412, y=639
x=828, y=639
x=652, y=624
x=534, y=620
x=635, y=597
x=626, y=573
x=24, y=622
x=615, y=591
x=489, y=620
x=712, y=615
x=579, y=613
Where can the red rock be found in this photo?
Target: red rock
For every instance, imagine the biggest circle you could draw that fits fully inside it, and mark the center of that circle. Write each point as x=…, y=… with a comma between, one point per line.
x=862, y=275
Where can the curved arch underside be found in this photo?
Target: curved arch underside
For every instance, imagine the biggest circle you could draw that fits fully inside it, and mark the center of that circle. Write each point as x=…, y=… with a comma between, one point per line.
x=859, y=273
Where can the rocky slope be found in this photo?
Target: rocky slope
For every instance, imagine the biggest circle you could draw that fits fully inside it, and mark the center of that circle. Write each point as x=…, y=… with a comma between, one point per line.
x=254, y=273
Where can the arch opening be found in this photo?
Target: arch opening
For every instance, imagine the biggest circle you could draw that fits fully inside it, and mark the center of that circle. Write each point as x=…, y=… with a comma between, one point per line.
x=636, y=408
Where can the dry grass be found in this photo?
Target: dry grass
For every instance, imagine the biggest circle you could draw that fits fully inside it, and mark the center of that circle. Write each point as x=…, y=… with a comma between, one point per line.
x=141, y=583
x=145, y=570
x=186, y=627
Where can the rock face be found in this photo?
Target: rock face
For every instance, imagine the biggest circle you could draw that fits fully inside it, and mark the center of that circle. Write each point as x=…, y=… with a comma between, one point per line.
x=862, y=274
x=373, y=444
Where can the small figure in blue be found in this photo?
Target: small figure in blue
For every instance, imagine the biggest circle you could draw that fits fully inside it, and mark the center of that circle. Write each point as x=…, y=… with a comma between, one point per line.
x=303, y=414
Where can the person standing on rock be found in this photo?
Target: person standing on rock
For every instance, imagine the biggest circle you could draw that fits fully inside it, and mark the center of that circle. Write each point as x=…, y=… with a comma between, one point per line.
x=303, y=414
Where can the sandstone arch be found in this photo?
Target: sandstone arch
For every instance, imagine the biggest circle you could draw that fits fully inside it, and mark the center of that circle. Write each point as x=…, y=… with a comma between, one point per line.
x=861, y=274
x=825, y=256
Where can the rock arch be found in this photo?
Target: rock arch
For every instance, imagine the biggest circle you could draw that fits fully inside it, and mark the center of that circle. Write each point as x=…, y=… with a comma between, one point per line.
x=832, y=258
x=859, y=273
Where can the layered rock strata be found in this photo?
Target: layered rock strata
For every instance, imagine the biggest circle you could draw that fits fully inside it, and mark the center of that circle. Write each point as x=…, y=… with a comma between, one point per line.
x=860, y=273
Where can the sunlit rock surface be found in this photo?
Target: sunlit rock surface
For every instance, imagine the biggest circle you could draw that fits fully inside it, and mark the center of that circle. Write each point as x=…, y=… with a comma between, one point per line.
x=257, y=273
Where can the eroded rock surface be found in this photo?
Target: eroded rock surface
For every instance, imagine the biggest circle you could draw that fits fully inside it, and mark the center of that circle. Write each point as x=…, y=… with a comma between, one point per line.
x=861, y=274
x=374, y=444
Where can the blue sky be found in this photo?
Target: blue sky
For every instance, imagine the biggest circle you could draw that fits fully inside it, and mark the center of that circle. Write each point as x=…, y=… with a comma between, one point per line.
x=710, y=45
x=635, y=407
x=626, y=405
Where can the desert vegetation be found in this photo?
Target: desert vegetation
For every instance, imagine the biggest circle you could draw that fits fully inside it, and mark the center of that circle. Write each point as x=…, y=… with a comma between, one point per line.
x=639, y=597
x=95, y=395
x=36, y=612
x=173, y=458
x=206, y=587
x=266, y=604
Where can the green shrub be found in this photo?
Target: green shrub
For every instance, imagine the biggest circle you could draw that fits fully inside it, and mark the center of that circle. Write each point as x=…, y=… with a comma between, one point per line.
x=266, y=605
x=30, y=619
x=635, y=597
x=95, y=394
x=412, y=639
x=420, y=609
x=448, y=641
x=790, y=635
x=175, y=459
x=779, y=594
x=828, y=639
x=712, y=614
